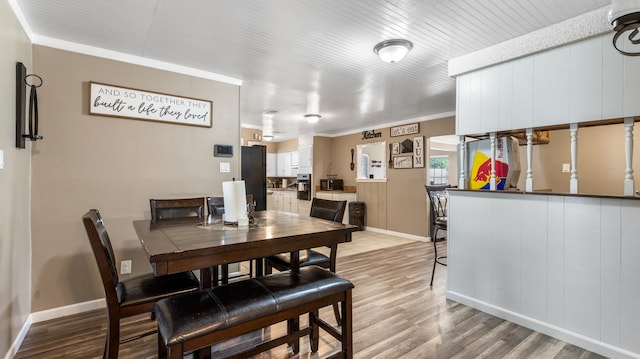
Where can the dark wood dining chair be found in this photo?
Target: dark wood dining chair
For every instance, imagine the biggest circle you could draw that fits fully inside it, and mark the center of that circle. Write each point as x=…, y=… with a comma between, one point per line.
x=320, y=208
x=438, y=199
x=181, y=208
x=132, y=296
x=215, y=206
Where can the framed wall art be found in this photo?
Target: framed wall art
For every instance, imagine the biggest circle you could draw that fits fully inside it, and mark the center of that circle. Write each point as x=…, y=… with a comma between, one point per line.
x=418, y=152
x=403, y=130
x=124, y=102
x=403, y=162
x=395, y=148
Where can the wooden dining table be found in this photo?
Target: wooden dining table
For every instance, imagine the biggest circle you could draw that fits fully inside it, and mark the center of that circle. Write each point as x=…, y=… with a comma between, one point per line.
x=178, y=246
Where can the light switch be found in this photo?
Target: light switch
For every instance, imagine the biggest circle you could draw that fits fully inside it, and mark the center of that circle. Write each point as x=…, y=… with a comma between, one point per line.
x=566, y=167
x=225, y=167
x=1, y=159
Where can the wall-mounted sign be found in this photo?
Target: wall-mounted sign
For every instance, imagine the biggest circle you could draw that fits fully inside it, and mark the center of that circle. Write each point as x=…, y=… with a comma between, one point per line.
x=367, y=135
x=405, y=130
x=403, y=162
x=418, y=151
x=395, y=148
x=114, y=101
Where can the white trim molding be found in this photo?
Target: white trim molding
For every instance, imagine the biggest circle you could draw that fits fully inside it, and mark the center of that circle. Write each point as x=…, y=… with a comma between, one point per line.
x=15, y=346
x=398, y=234
x=66, y=310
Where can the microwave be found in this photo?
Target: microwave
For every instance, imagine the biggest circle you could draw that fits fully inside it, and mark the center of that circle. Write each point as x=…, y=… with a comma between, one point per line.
x=331, y=184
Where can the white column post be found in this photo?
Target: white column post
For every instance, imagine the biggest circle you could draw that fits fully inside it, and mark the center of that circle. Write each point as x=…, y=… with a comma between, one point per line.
x=573, y=182
x=629, y=185
x=462, y=148
x=492, y=180
x=529, y=181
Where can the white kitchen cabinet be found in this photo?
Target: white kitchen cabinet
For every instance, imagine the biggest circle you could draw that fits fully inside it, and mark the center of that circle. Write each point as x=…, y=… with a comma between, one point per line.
x=324, y=195
x=286, y=201
x=278, y=204
x=304, y=208
x=284, y=164
x=272, y=168
x=290, y=202
x=271, y=204
x=294, y=159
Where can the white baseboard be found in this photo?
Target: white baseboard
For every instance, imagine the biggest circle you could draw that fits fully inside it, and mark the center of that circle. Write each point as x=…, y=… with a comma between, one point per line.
x=51, y=314
x=563, y=334
x=67, y=310
x=13, y=350
x=399, y=234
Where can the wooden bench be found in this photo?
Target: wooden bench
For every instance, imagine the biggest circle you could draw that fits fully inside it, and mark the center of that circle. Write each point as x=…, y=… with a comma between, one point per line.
x=200, y=319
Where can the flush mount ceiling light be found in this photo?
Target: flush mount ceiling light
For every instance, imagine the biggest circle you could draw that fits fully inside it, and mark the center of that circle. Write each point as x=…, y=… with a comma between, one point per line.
x=267, y=137
x=312, y=118
x=393, y=50
x=624, y=16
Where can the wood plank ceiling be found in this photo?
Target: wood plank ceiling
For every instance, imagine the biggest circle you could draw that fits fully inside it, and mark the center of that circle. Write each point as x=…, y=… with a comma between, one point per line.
x=297, y=57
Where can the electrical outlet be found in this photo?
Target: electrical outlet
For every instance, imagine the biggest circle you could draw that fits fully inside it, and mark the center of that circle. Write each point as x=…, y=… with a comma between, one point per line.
x=125, y=267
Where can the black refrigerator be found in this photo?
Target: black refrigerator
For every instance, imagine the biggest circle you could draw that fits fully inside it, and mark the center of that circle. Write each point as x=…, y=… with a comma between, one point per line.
x=253, y=171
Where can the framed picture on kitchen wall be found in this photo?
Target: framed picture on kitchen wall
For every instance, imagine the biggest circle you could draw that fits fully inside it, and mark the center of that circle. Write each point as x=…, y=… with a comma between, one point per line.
x=403, y=162
x=404, y=130
x=395, y=148
x=418, y=152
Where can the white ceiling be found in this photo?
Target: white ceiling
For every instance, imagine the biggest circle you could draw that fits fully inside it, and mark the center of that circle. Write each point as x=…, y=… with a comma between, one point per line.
x=304, y=56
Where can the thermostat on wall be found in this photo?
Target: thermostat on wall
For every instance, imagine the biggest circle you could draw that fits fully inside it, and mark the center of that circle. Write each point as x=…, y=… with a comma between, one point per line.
x=223, y=150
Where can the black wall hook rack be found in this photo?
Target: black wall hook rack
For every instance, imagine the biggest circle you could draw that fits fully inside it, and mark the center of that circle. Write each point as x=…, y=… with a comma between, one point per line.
x=32, y=81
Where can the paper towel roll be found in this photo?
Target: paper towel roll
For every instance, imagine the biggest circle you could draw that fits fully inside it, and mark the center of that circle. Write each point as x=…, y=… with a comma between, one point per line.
x=235, y=200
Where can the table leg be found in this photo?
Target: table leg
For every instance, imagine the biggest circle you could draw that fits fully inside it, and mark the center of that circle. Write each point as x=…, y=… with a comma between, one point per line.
x=208, y=277
x=295, y=261
x=259, y=267
x=225, y=274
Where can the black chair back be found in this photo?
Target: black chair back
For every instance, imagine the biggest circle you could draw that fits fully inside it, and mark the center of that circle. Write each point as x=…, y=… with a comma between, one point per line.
x=328, y=209
x=438, y=199
x=183, y=208
x=215, y=205
x=130, y=296
x=102, y=250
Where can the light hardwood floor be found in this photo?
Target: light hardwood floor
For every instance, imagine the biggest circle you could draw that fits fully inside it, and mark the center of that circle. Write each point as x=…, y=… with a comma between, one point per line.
x=395, y=315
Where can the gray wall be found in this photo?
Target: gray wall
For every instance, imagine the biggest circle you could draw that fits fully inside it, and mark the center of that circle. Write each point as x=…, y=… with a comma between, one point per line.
x=114, y=165
x=15, y=242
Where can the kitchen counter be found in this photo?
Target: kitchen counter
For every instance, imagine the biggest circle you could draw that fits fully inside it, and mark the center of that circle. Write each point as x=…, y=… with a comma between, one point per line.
x=337, y=192
x=347, y=189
